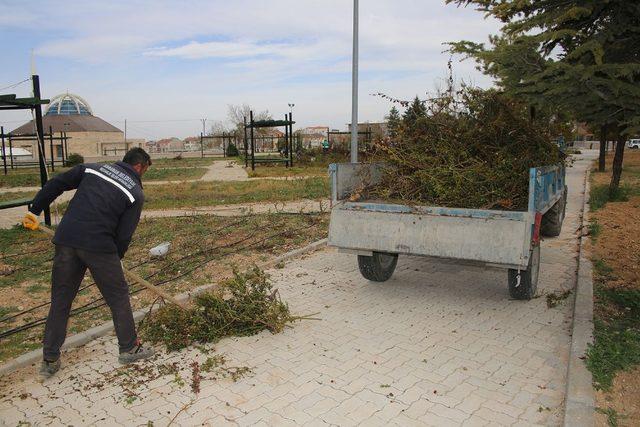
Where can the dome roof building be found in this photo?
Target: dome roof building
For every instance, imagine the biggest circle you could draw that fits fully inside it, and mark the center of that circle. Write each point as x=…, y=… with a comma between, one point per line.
x=88, y=134
x=68, y=104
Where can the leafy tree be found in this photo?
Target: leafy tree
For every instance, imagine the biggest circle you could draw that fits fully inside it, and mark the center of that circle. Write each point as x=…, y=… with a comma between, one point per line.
x=581, y=56
x=393, y=122
x=237, y=114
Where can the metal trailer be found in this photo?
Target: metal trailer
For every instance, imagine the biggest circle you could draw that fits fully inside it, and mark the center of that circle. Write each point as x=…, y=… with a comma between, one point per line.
x=379, y=232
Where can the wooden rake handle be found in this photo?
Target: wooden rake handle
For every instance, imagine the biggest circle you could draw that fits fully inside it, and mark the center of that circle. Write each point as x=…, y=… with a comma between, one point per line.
x=133, y=277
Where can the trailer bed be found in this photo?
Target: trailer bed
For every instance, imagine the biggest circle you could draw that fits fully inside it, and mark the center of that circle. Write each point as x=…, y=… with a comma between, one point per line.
x=378, y=232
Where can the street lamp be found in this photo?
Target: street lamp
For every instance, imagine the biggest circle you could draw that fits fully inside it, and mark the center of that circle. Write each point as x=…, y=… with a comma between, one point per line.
x=354, y=87
x=291, y=108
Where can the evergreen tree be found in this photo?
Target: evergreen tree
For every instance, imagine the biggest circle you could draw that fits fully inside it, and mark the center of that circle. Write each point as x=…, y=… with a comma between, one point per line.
x=415, y=111
x=393, y=122
x=581, y=56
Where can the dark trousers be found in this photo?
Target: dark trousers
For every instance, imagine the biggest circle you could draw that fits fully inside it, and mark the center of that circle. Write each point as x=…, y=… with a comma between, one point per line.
x=69, y=267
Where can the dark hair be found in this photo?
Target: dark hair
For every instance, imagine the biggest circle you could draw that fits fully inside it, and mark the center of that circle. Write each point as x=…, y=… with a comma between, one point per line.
x=137, y=156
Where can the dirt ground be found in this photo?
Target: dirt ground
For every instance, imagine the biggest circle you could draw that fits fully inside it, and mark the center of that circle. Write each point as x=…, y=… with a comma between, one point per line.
x=619, y=241
x=204, y=250
x=624, y=398
x=618, y=245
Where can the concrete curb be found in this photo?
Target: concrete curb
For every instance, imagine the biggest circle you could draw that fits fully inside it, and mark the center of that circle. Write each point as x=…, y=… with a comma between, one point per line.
x=89, y=335
x=579, y=407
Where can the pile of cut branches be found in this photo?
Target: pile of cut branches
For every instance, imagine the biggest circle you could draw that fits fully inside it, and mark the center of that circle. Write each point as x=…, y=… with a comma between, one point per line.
x=471, y=148
x=243, y=305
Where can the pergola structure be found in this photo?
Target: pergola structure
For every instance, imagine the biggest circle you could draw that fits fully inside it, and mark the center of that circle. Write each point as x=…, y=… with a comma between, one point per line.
x=367, y=134
x=60, y=143
x=34, y=103
x=227, y=139
x=250, y=143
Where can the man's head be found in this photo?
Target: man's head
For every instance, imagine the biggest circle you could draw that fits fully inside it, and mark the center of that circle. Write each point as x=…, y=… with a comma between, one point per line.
x=139, y=159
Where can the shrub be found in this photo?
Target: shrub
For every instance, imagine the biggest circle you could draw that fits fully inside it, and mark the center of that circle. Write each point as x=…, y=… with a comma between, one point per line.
x=232, y=150
x=468, y=149
x=243, y=305
x=74, y=159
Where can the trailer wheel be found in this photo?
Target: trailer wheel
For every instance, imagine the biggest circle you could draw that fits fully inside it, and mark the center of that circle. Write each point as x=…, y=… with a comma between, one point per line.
x=379, y=267
x=524, y=283
x=552, y=220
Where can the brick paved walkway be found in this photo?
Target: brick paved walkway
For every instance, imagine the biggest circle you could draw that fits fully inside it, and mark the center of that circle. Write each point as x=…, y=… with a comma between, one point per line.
x=438, y=344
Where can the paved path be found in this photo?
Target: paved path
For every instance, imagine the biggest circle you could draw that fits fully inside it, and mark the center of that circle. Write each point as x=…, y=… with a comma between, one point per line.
x=218, y=171
x=438, y=344
x=225, y=171
x=305, y=205
x=222, y=170
x=13, y=216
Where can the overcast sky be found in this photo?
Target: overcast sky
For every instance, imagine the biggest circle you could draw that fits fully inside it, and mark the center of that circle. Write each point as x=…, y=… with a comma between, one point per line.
x=163, y=65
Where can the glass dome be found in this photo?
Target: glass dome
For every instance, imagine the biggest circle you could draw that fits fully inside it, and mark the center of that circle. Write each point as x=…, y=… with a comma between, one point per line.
x=68, y=104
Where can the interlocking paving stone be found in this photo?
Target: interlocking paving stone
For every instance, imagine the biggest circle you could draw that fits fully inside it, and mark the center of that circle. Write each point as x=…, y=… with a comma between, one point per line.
x=438, y=344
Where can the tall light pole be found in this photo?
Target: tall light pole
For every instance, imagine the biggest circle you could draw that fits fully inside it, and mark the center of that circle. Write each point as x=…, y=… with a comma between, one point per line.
x=354, y=87
x=291, y=108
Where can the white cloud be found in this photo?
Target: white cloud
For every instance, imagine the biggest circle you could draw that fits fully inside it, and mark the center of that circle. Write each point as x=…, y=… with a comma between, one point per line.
x=228, y=49
x=97, y=49
x=149, y=59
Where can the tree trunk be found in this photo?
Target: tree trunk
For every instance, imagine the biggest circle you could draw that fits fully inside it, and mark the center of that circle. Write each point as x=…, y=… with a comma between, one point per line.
x=603, y=149
x=617, y=166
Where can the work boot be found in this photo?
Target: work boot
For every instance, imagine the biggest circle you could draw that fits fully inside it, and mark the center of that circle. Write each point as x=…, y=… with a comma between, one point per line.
x=138, y=352
x=47, y=369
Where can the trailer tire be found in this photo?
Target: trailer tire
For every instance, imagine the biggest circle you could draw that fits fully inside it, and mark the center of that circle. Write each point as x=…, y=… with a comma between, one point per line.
x=523, y=284
x=379, y=267
x=552, y=220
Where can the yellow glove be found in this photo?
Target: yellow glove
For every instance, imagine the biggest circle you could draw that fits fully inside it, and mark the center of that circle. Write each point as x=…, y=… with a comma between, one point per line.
x=30, y=221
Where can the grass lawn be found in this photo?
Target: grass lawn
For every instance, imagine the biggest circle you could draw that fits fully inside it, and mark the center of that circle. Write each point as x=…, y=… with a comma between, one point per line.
x=614, y=358
x=309, y=163
x=25, y=177
x=162, y=172
x=15, y=195
x=280, y=170
x=204, y=249
x=191, y=194
x=173, y=173
x=188, y=161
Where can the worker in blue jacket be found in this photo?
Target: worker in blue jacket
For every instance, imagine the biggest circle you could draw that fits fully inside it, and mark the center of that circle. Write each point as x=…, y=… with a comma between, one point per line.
x=94, y=234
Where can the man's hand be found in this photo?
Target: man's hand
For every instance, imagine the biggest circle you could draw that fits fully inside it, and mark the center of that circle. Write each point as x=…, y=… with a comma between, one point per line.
x=30, y=221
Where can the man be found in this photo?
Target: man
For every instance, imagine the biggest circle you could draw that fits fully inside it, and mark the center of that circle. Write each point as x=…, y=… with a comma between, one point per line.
x=94, y=233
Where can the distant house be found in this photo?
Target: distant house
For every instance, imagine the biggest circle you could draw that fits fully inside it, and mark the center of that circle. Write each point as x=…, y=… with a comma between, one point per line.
x=17, y=153
x=267, y=140
x=313, y=136
x=192, y=143
x=582, y=132
x=377, y=129
x=166, y=145
x=151, y=146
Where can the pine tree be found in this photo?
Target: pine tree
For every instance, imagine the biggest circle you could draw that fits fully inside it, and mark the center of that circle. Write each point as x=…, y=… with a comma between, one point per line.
x=414, y=111
x=581, y=56
x=393, y=122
